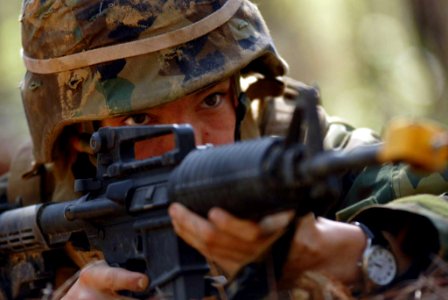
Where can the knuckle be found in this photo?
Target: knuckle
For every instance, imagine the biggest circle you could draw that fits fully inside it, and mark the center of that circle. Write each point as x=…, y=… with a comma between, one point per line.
x=208, y=236
x=225, y=220
x=109, y=278
x=308, y=248
x=253, y=235
x=85, y=275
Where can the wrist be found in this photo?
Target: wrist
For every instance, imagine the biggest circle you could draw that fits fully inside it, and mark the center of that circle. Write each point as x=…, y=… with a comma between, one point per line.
x=344, y=247
x=331, y=248
x=378, y=264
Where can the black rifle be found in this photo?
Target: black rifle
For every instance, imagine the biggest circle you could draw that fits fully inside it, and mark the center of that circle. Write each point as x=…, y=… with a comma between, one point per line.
x=124, y=210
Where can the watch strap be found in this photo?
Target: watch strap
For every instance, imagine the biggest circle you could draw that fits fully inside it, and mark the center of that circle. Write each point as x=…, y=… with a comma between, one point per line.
x=376, y=237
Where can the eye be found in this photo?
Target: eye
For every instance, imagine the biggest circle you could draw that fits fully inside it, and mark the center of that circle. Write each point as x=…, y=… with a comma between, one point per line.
x=137, y=119
x=213, y=100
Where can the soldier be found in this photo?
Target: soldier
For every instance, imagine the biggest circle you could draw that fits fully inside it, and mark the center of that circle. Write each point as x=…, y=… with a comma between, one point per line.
x=99, y=63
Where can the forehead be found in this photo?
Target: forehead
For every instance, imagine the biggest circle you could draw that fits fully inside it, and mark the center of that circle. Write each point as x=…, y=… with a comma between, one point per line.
x=223, y=86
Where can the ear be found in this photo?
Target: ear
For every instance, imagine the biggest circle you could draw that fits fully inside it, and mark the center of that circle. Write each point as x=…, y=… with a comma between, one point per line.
x=81, y=134
x=80, y=141
x=81, y=144
x=235, y=87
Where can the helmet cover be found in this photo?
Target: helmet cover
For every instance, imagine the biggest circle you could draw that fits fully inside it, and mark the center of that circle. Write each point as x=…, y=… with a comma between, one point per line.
x=58, y=29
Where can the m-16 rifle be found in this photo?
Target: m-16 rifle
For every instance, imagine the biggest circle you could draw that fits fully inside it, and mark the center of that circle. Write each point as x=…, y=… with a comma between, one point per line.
x=123, y=212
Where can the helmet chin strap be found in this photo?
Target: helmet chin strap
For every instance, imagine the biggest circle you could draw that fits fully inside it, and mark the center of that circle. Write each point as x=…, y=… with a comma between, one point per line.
x=241, y=101
x=240, y=112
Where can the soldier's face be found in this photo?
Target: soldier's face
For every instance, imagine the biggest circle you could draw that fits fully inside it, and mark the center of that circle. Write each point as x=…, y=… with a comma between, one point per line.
x=211, y=112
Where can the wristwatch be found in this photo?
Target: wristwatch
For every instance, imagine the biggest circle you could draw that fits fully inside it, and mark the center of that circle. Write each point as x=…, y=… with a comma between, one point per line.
x=378, y=263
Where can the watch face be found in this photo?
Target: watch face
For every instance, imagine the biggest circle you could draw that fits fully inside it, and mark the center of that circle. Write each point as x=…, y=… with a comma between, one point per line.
x=381, y=265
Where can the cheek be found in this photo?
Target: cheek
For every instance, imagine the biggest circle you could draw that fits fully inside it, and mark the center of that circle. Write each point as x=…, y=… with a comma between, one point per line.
x=220, y=131
x=218, y=137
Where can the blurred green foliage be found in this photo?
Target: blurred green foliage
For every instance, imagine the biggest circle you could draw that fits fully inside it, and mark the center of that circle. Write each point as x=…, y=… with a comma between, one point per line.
x=12, y=119
x=368, y=57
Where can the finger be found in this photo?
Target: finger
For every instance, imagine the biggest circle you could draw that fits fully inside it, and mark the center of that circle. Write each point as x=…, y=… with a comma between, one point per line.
x=228, y=251
x=223, y=249
x=246, y=230
x=189, y=226
x=205, y=237
x=106, y=278
x=276, y=222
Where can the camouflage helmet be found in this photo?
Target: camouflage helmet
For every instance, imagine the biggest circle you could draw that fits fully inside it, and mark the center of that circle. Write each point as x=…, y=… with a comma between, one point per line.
x=94, y=59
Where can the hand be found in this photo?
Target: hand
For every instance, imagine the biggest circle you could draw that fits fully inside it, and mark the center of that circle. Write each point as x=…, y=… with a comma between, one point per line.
x=226, y=240
x=325, y=246
x=98, y=281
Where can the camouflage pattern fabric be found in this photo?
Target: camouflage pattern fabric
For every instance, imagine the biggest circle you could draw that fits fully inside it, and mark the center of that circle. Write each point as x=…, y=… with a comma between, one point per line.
x=56, y=28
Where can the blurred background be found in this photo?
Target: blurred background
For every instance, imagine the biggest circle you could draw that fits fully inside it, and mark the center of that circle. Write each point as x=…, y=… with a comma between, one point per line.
x=373, y=59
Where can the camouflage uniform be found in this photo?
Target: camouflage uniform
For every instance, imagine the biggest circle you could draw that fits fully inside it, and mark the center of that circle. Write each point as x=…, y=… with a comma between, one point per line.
x=91, y=60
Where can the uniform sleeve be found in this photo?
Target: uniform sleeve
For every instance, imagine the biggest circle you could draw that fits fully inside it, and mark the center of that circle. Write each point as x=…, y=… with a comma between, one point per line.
x=383, y=184
x=394, y=198
x=424, y=216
